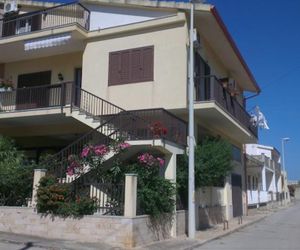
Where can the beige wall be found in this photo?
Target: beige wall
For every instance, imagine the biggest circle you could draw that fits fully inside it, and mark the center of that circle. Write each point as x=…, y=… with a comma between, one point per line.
x=116, y=230
x=168, y=89
x=64, y=64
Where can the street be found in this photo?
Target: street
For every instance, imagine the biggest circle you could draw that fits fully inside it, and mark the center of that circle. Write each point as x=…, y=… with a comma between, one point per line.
x=278, y=231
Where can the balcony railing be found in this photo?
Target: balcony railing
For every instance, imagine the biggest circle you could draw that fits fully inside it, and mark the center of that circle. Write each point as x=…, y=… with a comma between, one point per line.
x=47, y=96
x=209, y=88
x=147, y=124
x=66, y=14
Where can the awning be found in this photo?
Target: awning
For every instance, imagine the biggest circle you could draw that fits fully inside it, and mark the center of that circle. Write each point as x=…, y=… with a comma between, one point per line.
x=47, y=42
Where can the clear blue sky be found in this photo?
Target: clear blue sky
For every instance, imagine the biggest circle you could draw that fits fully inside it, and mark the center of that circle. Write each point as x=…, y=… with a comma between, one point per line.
x=267, y=34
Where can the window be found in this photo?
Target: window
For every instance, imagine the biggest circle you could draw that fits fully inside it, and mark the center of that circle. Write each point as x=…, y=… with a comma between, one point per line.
x=249, y=182
x=131, y=66
x=236, y=154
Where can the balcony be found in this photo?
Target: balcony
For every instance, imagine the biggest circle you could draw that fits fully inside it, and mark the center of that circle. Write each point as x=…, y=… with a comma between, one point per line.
x=62, y=15
x=47, y=103
x=209, y=88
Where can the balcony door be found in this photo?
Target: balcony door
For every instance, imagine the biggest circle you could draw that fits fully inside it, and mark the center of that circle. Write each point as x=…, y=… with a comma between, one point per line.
x=33, y=91
x=202, y=79
x=78, y=80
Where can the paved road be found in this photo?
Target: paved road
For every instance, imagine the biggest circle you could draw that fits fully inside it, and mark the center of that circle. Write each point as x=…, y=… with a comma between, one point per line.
x=278, y=231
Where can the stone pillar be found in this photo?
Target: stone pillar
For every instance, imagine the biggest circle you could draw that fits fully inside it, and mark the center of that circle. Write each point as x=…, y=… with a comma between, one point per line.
x=170, y=174
x=130, y=195
x=38, y=175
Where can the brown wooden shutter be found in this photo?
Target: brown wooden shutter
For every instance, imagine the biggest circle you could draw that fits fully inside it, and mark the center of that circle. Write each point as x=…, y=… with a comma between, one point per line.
x=136, y=65
x=130, y=66
x=114, y=76
x=125, y=67
x=148, y=63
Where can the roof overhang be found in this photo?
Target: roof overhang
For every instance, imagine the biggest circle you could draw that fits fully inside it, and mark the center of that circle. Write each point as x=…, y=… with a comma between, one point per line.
x=215, y=33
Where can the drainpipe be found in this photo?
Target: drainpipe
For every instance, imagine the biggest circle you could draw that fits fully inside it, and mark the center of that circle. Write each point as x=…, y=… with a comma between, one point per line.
x=246, y=177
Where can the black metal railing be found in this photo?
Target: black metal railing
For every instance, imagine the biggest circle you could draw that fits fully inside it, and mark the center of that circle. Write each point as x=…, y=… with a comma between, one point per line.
x=66, y=14
x=44, y=96
x=109, y=196
x=209, y=88
x=93, y=105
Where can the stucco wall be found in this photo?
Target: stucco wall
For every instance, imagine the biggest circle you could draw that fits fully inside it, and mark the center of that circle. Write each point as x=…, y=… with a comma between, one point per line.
x=116, y=230
x=64, y=64
x=103, y=17
x=168, y=89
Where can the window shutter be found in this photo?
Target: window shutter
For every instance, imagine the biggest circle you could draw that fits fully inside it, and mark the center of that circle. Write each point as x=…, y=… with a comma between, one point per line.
x=147, y=66
x=125, y=67
x=136, y=65
x=114, y=76
x=130, y=66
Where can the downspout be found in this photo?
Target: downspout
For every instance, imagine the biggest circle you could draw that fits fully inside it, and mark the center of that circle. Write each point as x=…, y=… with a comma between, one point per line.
x=246, y=178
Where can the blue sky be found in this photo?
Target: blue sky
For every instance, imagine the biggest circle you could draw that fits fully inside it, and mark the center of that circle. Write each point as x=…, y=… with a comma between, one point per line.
x=267, y=34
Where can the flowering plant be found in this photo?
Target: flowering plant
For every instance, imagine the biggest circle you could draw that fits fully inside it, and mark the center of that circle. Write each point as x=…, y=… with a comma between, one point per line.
x=93, y=156
x=6, y=84
x=158, y=129
x=149, y=160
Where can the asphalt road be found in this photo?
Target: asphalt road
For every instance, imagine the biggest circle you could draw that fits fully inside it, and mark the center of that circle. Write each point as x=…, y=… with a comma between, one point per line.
x=278, y=231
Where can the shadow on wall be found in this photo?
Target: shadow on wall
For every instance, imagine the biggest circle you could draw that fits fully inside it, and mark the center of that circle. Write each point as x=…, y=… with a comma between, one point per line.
x=210, y=216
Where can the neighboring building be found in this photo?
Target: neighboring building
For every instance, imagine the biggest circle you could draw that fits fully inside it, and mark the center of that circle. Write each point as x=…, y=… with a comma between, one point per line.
x=266, y=182
x=97, y=56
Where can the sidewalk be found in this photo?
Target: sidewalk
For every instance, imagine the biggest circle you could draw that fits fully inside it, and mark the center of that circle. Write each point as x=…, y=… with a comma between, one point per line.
x=183, y=243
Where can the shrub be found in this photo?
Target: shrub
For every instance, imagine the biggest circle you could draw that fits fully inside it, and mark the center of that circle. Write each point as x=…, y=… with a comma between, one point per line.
x=16, y=175
x=58, y=199
x=212, y=164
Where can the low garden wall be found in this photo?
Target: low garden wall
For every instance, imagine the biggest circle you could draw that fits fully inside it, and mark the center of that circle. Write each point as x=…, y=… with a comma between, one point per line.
x=116, y=230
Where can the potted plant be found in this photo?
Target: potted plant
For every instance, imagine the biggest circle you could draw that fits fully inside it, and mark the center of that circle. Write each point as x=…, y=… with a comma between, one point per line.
x=6, y=85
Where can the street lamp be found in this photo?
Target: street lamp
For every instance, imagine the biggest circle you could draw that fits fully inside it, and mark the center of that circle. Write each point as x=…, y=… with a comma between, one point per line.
x=283, y=140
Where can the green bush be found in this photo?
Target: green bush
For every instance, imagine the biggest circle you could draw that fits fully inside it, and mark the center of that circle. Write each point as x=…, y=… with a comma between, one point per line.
x=58, y=199
x=16, y=175
x=212, y=164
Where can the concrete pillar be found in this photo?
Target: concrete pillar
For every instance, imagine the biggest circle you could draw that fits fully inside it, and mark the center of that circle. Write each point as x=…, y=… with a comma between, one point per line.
x=170, y=174
x=38, y=175
x=130, y=195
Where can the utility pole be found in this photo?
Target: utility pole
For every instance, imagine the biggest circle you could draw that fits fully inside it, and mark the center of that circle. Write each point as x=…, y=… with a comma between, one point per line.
x=191, y=141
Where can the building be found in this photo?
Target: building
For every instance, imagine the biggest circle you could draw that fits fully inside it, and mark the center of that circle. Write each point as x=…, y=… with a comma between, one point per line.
x=74, y=66
x=266, y=181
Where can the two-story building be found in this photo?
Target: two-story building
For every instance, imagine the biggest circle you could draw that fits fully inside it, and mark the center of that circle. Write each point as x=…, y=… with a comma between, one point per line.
x=266, y=182
x=71, y=65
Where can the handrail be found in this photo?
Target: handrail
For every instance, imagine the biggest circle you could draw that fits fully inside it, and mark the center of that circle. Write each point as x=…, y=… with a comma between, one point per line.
x=9, y=25
x=215, y=91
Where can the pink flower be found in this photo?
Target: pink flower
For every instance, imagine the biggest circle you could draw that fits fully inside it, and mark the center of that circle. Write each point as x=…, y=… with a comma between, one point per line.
x=101, y=150
x=161, y=161
x=70, y=171
x=147, y=159
x=85, y=152
x=123, y=145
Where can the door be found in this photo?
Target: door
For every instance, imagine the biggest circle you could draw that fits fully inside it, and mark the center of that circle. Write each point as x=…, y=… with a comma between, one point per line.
x=202, y=79
x=237, y=199
x=33, y=91
x=78, y=81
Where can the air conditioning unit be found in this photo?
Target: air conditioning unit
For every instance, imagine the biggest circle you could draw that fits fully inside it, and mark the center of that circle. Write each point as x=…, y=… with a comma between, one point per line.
x=10, y=6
